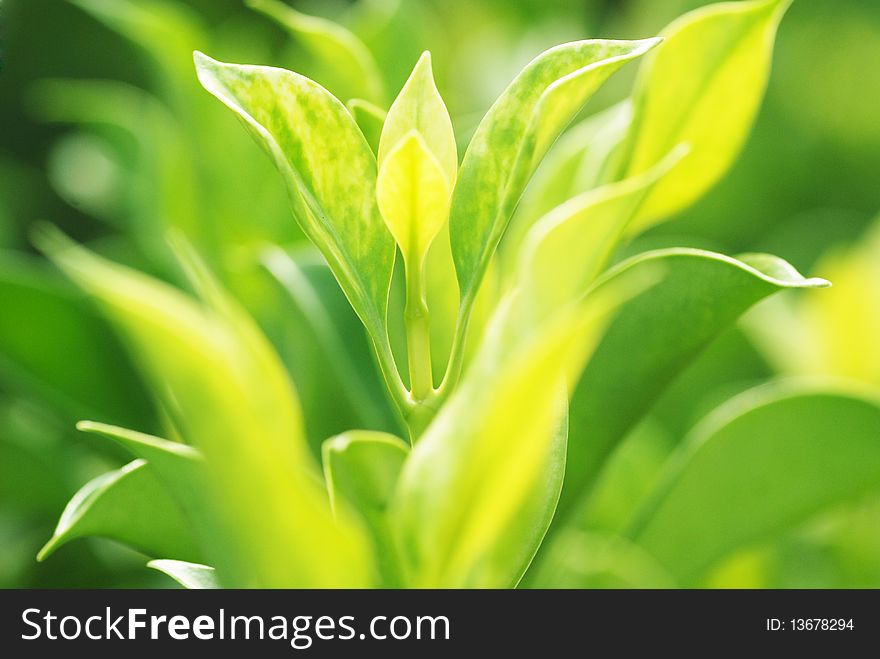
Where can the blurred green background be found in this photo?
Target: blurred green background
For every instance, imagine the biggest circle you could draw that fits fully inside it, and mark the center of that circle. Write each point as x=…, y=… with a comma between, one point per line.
x=106, y=133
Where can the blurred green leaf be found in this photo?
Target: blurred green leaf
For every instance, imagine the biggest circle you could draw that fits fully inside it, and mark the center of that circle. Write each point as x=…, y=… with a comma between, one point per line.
x=55, y=344
x=370, y=118
x=230, y=396
x=514, y=136
x=480, y=487
x=166, y=31
x=764, y=462
x=181, y=470
x=350, y=67
x=189, y=575
x=592, y=560
x=702, y=87
x=327, y=354
x=328, y=167
x=129, y=505
x=653, y=338
x=361, y=468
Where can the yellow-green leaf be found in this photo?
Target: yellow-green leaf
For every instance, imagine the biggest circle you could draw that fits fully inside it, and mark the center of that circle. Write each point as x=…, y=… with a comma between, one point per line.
x=361, y=468
x=417, y=164
x=329, y=170
x=192, y=576
x=413, y=196
x=489, y=468
x=513, y=137
x=419, y=107
x=230, y=396
x=703, y=87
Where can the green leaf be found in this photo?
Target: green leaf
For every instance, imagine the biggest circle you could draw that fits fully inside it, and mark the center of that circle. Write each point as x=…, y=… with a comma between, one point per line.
x=329, y=170
x=341, y=55
x=568, y=248
x=703, y=87
x=756, y=467
x=179, y=468
x=370, y=118
x=53, y=343
x=189, y=575
x=129, y=505
x=653, y=338
x=479, y=489
x=361, y=468
x=420, y=108
x=417, y=164
x=514, y=136
x=224, y=386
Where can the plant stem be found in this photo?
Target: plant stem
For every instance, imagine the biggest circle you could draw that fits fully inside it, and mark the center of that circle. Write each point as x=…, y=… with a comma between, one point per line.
x=456, y=353
x=385, y=359
x=418, y=334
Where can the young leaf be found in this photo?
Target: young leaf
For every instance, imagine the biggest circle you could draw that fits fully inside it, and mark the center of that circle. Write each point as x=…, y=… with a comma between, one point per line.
x=513, y=137
x=370, y=118
x=701, y=294
x=189, y=575
x=417, y=164
x=489, y=468
x=420, y=108
x=759, y=465
x=361, y=469
x=703, y=87
x=329, y=170
x=130, y=505
x=339, y=52
x=231, y=397
x=413, y=196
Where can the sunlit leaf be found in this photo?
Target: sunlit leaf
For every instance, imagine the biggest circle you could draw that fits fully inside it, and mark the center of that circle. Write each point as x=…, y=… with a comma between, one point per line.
x=225, y=388
x=703, y=87
x=189, y=575
x=328, y=167
x=489, y=468
x=514, y=136
x=762, y=463
x=653, y=338
x=417, y=164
